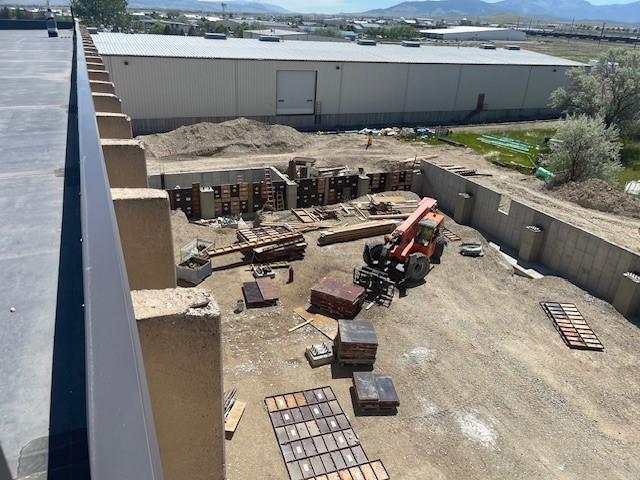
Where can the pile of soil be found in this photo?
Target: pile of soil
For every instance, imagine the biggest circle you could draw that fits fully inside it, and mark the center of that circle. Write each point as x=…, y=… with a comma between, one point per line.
x=240, y=135
x=599, y=195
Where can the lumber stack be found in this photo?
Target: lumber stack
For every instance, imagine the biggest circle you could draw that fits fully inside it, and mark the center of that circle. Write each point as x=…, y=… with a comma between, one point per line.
x=356, y=342
x=355, y=232
x=250, y=245
x=336, y=298
x=291, y=250
x=375, y=393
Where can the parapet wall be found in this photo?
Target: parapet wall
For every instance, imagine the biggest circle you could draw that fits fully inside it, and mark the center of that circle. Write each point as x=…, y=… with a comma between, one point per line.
x=586, y=260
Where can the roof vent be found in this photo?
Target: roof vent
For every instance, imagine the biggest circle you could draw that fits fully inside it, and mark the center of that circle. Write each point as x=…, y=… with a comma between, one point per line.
x=92, y=30
x=512, y=47
x=409, y=43
x=487, y=46
x=215, y=36
x=269, y=38
x=366, y=41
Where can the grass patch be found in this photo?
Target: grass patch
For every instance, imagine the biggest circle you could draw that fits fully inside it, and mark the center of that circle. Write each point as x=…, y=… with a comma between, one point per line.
x=503, y=155
x=631, y=162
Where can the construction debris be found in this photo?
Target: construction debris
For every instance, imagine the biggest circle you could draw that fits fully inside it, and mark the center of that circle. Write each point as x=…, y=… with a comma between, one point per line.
x=194, y=270
x=316, y=438
x=375, y=394
x=260, y=293
x=289, y=250
x=571, y=326
x=337, y=298
x=319, y=355
x=355, y=232
x=356, y=342
x=449, y=235
x=233, y=410
x=249, y=245
x=262, y=232
x=464, y=171
x=325, y=325
x=260, y=271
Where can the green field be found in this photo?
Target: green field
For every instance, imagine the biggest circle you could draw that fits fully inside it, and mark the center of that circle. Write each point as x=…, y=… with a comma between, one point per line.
x=630, y=153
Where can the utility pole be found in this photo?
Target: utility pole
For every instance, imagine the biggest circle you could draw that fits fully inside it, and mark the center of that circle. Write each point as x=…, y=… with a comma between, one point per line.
x=601, y=33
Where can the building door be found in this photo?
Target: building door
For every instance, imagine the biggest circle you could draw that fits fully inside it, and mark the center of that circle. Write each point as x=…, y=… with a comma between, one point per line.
x=480, y=103
x=296, y=92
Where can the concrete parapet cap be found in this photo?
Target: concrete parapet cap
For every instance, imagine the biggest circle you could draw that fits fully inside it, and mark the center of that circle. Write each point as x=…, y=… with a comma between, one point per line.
x=120, y=142
x=138, y=194
x=174, y=302
x=113, y=115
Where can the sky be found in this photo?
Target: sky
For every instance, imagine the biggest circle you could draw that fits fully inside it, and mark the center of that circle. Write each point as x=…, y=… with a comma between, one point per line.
x=335, y=6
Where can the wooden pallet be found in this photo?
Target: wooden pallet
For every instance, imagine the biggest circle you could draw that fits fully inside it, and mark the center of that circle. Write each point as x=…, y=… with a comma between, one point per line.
x=451, y=236
x=304, y=215
x=572, y=326
x=244, y=246
x=248, y=234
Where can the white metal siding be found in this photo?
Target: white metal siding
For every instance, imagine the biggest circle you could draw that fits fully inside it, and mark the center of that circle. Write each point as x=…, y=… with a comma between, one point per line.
x=161, y=88
x=373, y=88
x=503, y=87
x=542, y=82
x=431, y=87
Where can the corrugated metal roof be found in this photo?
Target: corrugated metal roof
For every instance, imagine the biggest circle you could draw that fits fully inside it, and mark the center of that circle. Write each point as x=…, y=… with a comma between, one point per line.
x=276, y=31
x=467, y=29
x=144, y=45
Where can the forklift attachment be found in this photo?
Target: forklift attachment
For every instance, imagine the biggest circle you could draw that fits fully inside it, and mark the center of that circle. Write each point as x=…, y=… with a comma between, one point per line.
x=377, y=284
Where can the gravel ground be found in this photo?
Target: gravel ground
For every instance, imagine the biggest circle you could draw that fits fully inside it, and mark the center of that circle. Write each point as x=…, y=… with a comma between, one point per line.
x=488, y=389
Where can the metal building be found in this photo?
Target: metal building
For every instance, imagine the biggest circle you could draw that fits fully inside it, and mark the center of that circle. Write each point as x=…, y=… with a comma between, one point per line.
x=474, y=33
x=168, y=81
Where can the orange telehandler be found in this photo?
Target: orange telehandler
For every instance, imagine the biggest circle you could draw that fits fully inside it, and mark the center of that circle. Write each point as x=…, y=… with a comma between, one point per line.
x=407, y=253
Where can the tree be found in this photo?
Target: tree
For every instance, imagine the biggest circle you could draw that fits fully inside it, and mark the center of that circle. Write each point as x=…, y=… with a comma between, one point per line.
x=110, y=13
x=611, y=89
x=584, y=147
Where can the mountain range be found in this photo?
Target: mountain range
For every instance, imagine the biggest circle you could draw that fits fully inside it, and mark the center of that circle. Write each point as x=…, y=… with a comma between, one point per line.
x=235, y=6
x=560, y=9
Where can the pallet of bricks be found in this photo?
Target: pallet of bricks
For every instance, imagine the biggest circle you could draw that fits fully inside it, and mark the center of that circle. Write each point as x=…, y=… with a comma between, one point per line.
x=377, y=182
x=292, y=249
x=400, y=180
x=375, y=394
x=342, y=188
x=336, y=298
x=311, y=191
x=233, y=199
x=356, y=342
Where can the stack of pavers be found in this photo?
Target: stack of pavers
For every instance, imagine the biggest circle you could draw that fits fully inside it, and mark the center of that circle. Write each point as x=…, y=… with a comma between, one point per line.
x=336, y=298
x=375, y=393
x=317, y=440
x=356, y=342
x=290, y=250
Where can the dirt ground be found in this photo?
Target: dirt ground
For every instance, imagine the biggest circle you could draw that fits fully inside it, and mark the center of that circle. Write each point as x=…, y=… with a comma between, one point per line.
x=348, y=149
x=488, y=389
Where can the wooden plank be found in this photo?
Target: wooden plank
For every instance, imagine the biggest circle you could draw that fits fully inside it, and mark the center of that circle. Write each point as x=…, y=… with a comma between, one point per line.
x=249, y=245
x=234, y=417
x=300, y=325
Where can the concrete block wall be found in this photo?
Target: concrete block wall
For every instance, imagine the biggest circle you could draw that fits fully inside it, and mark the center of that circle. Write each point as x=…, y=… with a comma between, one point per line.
x=590, y=262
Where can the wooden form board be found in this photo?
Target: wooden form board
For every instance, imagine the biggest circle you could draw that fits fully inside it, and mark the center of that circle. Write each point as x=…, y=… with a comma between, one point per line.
x=234, y=417
x=325, y=325
x=572, y=326
x=243, y=246
x=316, y=438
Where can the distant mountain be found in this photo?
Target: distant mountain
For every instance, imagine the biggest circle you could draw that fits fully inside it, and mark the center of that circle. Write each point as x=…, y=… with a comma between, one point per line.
x=560, y=9
x=235, y=6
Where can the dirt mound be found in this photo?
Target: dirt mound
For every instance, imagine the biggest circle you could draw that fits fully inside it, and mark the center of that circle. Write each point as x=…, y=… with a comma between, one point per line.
x=235, y=136
x=599, y=195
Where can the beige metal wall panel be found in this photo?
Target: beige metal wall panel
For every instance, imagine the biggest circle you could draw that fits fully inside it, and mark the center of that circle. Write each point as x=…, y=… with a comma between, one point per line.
x=504, y=86
x=431, y=87
x=542, y=82
x=174, y=87
x=373, y=87
x=257, y=85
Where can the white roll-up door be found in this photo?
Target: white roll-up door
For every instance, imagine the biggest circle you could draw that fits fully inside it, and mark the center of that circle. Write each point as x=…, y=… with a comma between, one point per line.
x=296, y=92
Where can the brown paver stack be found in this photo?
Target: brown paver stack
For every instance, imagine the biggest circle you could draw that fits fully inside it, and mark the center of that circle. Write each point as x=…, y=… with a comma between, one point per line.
x=316, y=438
x=375, y=393
x=356, y=342
x=337, y=298
x=261, y=292
x=292, y=250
